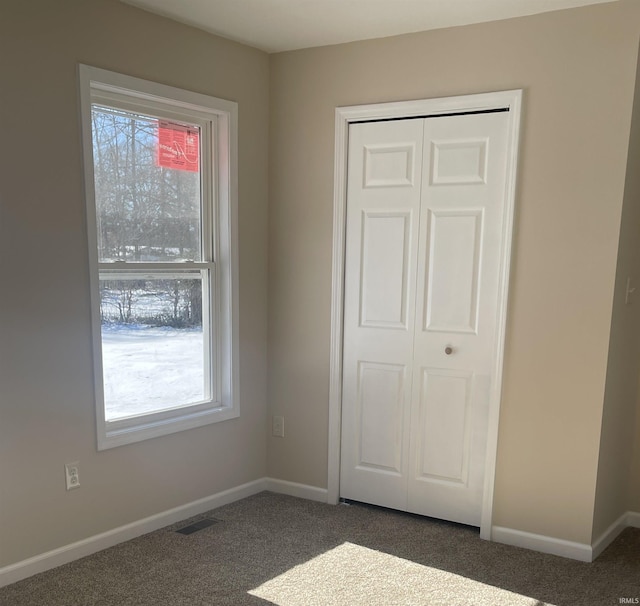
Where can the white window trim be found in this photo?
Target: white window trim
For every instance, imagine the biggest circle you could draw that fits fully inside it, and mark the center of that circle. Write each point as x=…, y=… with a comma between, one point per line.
x=223, y=115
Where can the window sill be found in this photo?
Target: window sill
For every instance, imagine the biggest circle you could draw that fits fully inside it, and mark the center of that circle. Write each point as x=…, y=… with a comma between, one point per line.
x=136, y=429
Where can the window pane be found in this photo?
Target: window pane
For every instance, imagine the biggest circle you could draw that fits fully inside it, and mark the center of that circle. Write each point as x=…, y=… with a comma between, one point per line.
x=147, y=182
x=152, y=344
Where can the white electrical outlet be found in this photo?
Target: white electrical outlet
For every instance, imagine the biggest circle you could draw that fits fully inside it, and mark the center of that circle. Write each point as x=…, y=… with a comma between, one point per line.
x=277, y=428
x=72, y=474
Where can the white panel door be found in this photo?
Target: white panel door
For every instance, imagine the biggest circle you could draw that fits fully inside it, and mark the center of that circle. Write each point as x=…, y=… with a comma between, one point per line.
x=461, y=219
x=384, y=185
x=424, y=242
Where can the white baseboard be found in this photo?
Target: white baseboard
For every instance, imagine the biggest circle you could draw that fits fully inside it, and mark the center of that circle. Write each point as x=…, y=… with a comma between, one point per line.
x=609, y=535
x=68, y=553
x=293, y=489
x=633, y=519
x=630, y=518
x=537, y=542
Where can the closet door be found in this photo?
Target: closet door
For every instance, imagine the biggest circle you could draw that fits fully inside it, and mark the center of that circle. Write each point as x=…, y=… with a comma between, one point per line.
x=425, y=206
x=383, y=191
x=454, y=347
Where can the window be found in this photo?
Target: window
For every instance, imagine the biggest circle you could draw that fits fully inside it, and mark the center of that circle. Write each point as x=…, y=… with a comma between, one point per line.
x=161, y=216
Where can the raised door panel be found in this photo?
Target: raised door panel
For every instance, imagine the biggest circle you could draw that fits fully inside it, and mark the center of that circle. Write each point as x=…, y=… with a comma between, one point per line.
x=384, y=269
x=452, y=271
x=380, y=414
x=458, y=161
x=389, y=165
x=444, y=439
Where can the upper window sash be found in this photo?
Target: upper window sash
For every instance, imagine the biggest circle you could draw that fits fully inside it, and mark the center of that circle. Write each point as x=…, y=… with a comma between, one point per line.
x=109, y=97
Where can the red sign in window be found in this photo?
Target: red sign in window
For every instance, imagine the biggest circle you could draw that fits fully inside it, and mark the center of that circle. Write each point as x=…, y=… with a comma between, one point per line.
x=178, y=146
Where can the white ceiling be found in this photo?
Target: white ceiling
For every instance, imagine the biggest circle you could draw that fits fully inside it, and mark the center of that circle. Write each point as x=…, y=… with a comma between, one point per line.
x=279, y=25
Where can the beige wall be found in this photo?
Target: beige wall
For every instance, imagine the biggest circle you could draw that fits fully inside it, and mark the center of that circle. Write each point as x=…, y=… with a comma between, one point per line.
x=621, y=392
x=46, y=412
x=577, y=69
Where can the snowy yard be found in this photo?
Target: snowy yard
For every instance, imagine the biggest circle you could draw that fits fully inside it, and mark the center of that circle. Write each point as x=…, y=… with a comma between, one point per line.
x=150, y=368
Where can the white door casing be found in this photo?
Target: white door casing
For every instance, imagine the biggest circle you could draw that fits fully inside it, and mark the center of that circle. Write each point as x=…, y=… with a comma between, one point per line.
x=446, y=215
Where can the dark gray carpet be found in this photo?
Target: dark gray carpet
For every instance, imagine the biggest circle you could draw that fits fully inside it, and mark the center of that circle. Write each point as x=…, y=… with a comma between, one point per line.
x=274, y=549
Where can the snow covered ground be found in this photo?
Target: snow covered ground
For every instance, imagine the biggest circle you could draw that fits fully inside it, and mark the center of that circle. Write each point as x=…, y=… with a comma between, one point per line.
x=149, y=369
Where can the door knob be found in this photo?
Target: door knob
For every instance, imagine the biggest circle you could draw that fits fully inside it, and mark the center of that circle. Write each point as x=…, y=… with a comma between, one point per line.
x=448, y=350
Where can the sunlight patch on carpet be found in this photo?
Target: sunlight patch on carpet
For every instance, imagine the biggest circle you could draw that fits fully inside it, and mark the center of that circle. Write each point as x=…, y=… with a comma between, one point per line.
x=358, y=576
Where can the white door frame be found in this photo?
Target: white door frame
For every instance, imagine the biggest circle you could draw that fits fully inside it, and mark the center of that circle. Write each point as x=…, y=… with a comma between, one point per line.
x=512, y=100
